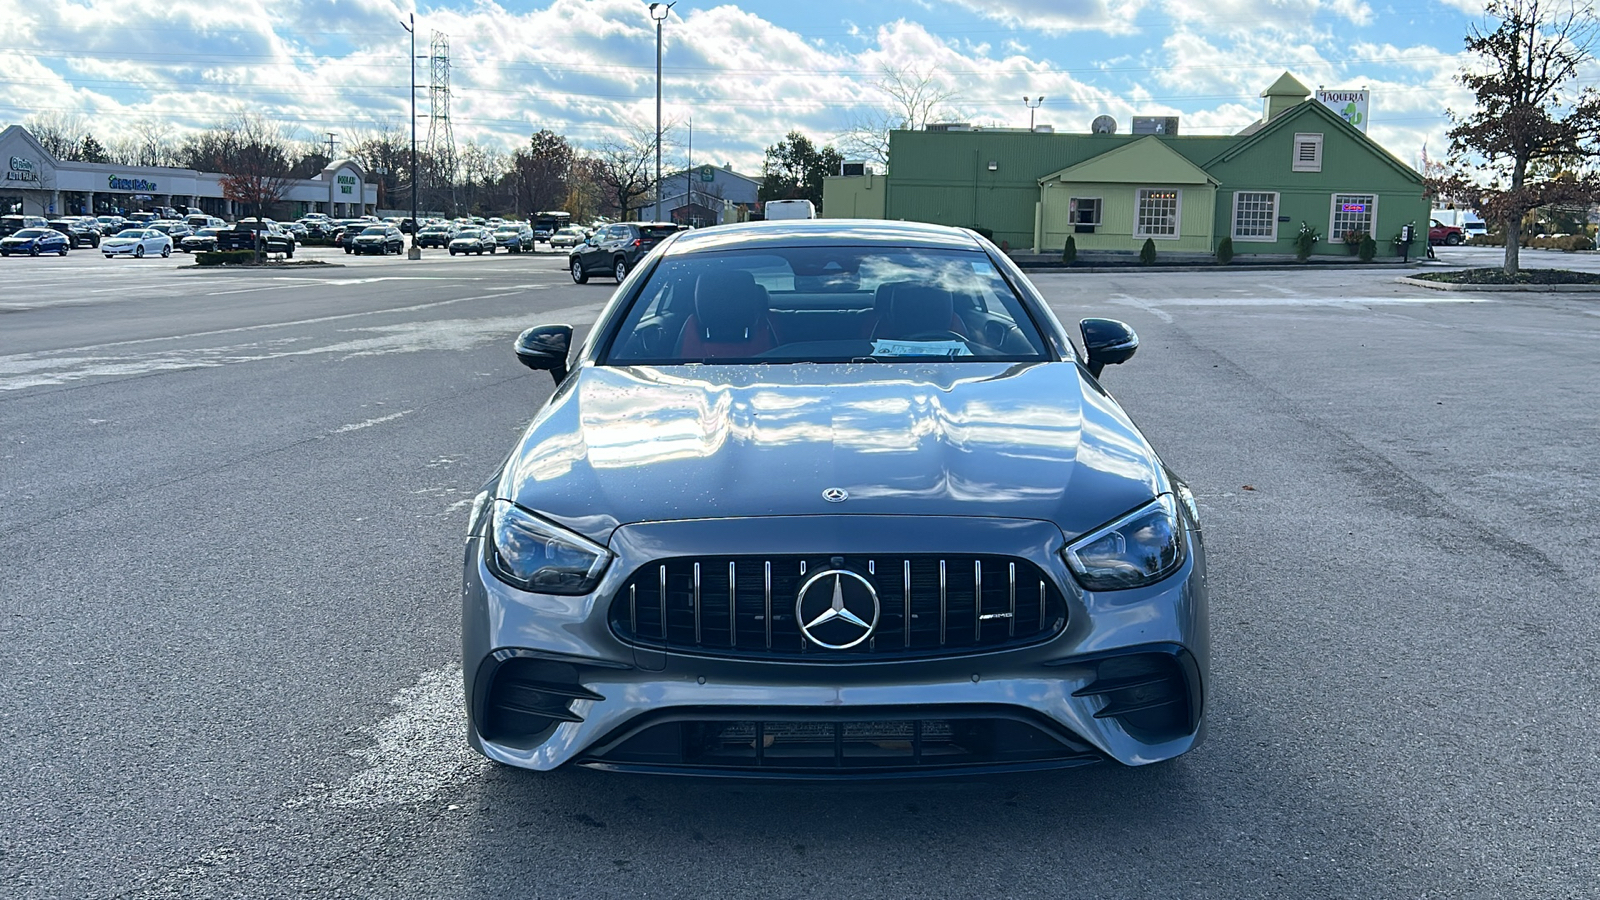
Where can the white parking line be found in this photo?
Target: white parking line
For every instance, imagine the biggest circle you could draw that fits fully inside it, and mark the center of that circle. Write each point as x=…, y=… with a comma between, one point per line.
x=344, y=429
x=416, y=753
x=25, y=370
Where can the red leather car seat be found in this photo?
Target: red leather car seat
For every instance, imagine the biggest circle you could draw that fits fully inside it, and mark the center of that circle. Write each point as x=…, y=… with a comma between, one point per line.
x=729, y=319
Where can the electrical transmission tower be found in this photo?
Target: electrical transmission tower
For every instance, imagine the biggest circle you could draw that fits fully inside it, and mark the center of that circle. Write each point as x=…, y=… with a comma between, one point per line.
x=441, y=141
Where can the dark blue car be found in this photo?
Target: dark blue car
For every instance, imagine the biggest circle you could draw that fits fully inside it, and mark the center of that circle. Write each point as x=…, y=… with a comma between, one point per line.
x=34, y=241
x=832, y=500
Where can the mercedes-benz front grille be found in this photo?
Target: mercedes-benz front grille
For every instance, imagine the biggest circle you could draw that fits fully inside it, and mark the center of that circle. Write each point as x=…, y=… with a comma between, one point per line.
x=928, y=606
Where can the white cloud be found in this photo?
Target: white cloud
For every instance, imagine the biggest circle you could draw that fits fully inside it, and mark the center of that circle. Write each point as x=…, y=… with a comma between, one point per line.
x=586, y=68
x=1111, y=16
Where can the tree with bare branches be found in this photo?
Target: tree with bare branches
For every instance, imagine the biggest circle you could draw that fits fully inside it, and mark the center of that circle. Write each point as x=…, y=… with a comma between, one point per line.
x=909, y=99
x=624, y=167
x=60, y=133
x=1534, y=133
x=256, y=171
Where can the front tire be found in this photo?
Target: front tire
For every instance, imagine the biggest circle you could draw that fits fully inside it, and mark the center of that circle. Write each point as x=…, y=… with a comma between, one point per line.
x=579, y=276
x=138, y=252
x=63, y=251
x=165, y=252
x=621, y=270
x=349, y=250
x=1452, y=240
x=33, y=251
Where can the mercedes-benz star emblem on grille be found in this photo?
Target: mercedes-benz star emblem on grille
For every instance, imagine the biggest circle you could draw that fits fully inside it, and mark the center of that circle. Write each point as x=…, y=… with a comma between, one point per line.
x=836, y=495
x=837, y=609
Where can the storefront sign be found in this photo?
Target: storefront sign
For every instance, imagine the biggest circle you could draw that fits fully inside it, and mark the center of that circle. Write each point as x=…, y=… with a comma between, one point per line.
x=1350, y=105
x=1352, y=207
x=129, y=184
x=347, y=184
x=708, y=174
x=21, y=170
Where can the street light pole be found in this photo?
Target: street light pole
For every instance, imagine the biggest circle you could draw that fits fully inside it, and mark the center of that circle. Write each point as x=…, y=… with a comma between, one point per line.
x=1032, y=103
x=659, y=12
x=415, y=252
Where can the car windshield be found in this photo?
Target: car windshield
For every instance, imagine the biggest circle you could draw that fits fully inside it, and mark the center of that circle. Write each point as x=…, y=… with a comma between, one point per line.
x=206, y=232
x=657, y=231
x=471, y=233
x=376, y=229
x=33, y=233
x=825, y=305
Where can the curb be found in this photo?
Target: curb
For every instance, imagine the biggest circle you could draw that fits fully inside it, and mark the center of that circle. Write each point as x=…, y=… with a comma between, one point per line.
x=1248, y=267
x=1491, y=288
x=266, y=269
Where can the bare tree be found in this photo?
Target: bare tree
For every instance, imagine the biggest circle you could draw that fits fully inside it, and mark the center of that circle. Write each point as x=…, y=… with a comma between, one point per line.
x=1533, y=133
x=624, y=167
x=153, y=144
x=257, y=175
x=60, y=133
x=385, y=152
x=909, y=99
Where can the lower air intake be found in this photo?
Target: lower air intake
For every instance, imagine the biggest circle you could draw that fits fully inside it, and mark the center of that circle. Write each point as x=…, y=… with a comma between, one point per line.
x=789, y=743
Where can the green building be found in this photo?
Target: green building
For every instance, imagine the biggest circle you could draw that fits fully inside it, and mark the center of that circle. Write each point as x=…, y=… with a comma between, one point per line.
x=1301, y=163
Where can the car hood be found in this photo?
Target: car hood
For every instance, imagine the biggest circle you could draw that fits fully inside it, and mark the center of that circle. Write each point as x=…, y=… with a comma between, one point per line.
x=618, y=445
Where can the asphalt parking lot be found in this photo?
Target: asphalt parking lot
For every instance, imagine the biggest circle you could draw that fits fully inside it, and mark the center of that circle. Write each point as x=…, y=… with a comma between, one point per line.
x=233, y=508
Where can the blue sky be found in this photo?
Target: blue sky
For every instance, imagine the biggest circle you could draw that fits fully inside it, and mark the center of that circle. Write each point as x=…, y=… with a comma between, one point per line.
x=744, y=74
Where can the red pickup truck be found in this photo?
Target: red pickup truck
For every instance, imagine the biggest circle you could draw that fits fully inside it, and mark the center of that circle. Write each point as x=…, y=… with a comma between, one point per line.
x=1440, y=233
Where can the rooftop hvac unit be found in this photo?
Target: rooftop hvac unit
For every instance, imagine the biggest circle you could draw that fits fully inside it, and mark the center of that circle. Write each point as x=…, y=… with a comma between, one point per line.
x=1104, y=125
x=1155, y=124
x=948, y=126
x=1044, y=129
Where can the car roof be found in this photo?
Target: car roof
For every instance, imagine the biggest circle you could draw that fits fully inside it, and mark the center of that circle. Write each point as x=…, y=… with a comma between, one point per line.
x=825, y=233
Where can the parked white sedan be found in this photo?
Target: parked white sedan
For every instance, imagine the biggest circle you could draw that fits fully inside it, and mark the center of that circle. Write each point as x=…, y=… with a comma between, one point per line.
x=137, y=244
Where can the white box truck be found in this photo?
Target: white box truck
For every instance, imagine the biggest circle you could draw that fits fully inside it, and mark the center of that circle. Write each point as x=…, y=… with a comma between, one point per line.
x=789, y=209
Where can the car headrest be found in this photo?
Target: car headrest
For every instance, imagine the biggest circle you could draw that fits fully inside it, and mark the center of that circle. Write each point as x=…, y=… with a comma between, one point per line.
x=729, y=305
x=919, y=309
x=883, y=297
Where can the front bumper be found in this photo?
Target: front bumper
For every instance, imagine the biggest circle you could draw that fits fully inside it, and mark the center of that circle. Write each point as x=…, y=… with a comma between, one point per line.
x=613, y=705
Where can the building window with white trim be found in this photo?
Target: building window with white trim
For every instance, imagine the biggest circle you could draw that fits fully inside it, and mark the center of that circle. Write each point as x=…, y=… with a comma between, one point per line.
x=1353, y=214
x=1255, y=216
x=1084, y=213
x=1307, y=153
x=1157, y=213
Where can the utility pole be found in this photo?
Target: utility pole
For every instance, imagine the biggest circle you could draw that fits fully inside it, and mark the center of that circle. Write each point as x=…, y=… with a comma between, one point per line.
x=411, y=26
x=659, y=12
x=333, y=139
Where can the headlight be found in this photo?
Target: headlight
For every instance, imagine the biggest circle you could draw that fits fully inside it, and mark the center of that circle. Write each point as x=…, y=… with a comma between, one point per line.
x=1140, y=548
x=529, y=553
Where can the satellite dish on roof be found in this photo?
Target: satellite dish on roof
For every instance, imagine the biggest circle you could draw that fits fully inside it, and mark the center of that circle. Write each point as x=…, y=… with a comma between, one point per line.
x=1104, y=125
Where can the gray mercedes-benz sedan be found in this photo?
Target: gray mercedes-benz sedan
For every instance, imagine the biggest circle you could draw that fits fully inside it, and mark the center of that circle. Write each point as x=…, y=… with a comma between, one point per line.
x=832, y=499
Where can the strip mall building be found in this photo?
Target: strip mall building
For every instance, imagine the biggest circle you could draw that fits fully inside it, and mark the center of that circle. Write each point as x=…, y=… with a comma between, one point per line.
x=36, y=183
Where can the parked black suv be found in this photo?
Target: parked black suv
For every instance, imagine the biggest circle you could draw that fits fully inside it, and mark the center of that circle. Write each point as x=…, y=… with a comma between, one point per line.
x=614, y=250
x=76, y=231
x=244, y=233
x=13, y=224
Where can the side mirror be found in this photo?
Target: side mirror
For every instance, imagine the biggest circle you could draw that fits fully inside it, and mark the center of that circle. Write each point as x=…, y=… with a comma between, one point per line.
x=1108, y=343
x=545, y=347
